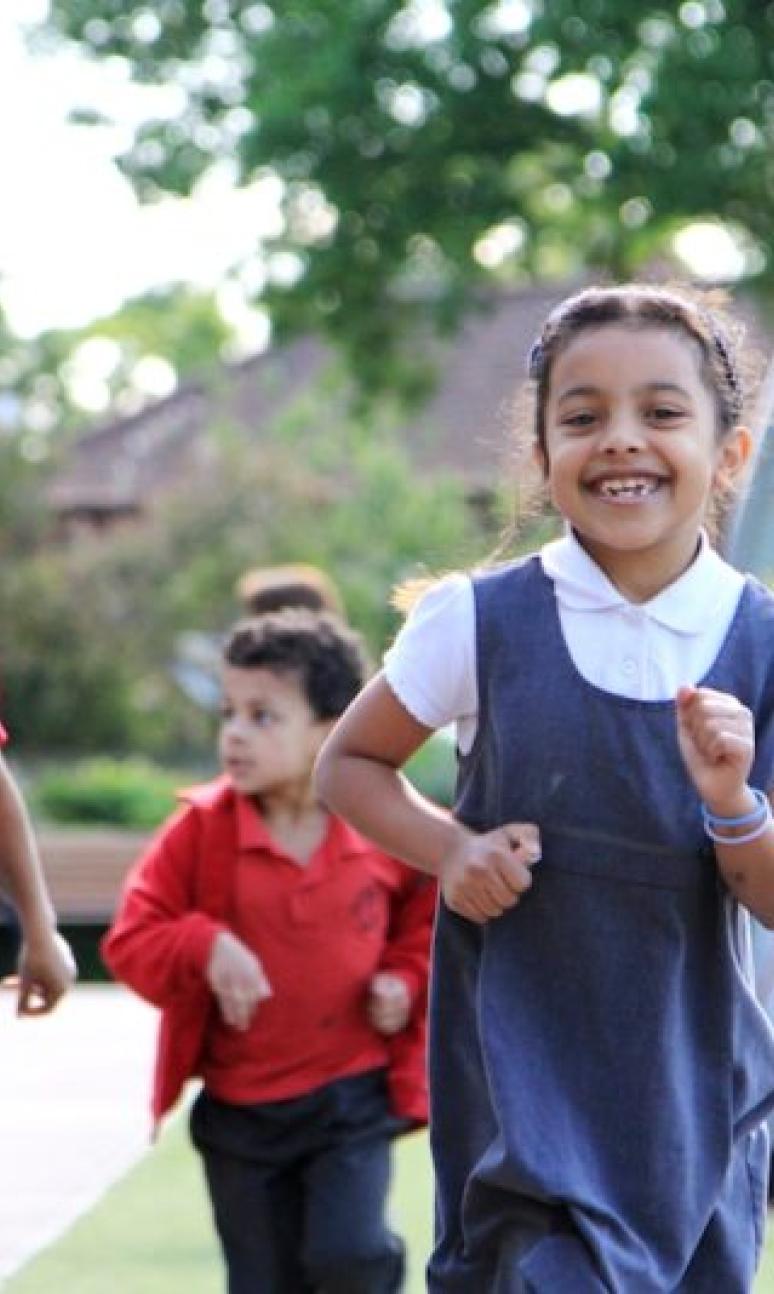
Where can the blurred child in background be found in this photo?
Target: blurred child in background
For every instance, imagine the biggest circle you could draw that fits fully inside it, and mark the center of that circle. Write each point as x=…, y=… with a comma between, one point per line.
x=271, y=588
x=289, y=957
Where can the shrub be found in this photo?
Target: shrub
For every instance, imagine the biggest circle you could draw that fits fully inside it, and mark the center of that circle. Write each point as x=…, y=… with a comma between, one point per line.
x=136, y=793
x=129, y=792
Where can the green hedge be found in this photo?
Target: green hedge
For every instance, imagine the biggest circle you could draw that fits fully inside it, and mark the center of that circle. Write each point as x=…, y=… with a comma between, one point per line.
x=131, y=792
x=134, y=792
x=433, y=769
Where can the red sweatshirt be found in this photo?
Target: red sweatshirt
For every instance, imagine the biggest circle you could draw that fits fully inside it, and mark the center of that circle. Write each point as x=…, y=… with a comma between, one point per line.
x=321, y=931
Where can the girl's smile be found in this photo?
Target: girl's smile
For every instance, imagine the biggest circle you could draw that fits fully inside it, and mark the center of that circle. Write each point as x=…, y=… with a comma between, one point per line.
x=624, y=489
x=633, y=451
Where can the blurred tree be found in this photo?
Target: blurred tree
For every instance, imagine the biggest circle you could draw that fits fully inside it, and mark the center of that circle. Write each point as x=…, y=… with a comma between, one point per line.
x=428, y=147
x=23, y=519
x=90, y=633
x=56, y=382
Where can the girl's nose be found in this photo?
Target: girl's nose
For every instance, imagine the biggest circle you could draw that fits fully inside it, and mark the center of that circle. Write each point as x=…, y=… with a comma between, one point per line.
x=622, y=436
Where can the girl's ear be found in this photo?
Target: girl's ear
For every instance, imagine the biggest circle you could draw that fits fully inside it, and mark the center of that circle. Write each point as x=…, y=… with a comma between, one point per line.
x=733, y=455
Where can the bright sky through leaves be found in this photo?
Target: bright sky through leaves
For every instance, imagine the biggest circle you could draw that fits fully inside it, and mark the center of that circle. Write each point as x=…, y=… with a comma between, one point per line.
x=74, y=244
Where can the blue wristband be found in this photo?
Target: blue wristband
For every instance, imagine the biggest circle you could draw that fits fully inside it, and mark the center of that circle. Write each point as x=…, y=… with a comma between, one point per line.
x=759, y=830
x=759, y=821
x=761, y=810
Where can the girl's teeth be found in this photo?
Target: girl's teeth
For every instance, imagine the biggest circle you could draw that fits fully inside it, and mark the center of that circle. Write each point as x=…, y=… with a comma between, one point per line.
x=626, y=489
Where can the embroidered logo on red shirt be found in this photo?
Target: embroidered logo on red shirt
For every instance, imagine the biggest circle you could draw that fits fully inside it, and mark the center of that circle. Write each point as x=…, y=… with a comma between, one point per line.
x=367, y=910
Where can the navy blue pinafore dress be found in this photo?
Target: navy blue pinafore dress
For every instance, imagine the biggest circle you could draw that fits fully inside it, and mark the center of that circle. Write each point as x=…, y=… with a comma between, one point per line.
x=600, y=1067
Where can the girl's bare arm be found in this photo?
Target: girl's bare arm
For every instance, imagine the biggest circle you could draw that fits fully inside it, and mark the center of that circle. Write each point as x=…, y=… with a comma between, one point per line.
x=717, y=739
x=358, y=776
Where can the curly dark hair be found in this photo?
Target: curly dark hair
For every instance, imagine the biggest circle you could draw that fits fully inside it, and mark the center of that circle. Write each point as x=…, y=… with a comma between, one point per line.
x=325, y=654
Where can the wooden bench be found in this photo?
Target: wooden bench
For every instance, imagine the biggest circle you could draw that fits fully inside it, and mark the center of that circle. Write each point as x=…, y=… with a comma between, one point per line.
x=85, y=868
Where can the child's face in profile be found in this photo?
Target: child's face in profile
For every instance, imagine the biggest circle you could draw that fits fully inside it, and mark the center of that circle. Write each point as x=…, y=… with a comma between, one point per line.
x=269, y=734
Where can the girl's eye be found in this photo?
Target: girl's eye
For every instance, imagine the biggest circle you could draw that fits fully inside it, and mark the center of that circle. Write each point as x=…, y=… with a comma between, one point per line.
x=662, y=413
x=579, y=421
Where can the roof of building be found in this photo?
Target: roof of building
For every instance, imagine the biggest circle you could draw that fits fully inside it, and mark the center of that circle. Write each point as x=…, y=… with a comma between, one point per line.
x=463, y=427
x=118, y=466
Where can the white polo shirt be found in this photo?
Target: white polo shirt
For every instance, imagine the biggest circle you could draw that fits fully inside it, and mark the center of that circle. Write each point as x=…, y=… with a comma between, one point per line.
x=645, y=651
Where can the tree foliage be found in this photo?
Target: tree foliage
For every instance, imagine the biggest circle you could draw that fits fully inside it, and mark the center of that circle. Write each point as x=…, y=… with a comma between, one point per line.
x=426, y=147
x=44, y=398
x=91, y=632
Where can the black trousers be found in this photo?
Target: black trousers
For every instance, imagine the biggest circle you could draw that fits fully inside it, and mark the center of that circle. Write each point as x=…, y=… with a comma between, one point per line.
x=299, y=1189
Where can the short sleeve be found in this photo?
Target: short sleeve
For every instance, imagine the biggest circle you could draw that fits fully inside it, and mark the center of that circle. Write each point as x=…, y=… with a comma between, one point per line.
x=431, y=664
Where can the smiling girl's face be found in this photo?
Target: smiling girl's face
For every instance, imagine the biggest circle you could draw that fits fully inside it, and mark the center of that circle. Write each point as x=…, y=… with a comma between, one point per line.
x=632, y=450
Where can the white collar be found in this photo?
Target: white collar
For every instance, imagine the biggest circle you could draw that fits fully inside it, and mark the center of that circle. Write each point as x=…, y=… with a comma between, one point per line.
x=686, y=606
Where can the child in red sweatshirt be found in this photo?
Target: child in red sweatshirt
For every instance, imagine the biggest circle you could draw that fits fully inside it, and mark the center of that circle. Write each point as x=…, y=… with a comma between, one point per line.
x=289, y=957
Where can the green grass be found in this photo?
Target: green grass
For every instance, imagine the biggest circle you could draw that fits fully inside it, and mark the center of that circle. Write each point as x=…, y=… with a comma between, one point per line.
x=151, y=1233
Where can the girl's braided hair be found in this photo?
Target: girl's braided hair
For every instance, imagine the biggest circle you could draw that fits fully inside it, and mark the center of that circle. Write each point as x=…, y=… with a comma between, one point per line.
x=640, y=305
x=700, y=316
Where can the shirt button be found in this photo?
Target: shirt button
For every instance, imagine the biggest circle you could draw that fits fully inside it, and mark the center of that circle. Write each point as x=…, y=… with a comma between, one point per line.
x=629, y=666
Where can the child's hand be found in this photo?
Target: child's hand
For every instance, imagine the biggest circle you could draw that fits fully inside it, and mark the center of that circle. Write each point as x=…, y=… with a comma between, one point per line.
x=46, y=970
x=237, y=979
x=717, y=742
x=389, y=1004
x=485, y=875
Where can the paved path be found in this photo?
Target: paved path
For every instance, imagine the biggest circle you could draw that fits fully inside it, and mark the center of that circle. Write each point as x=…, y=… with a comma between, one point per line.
x=73, y=1111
